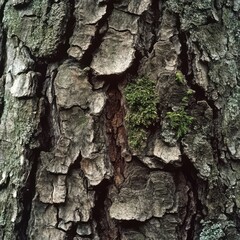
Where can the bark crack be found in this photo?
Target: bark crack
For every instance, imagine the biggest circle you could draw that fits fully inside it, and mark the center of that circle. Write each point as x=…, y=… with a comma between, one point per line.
x=26, y=195
x=186, y=57
x=194, y=206
x=106, y=227
x=98, y=37
x=157, y=8
x=116, y=133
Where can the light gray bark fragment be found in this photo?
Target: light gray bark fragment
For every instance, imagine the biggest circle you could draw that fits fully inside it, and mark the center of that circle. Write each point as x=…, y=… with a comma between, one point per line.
x=115, y=54
x=87, y=14
x=165, y=153
x=146, y=195
x=78, y=202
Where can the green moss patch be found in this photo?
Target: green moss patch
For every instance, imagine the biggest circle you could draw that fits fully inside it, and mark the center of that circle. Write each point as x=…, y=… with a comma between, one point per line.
x=141, y=101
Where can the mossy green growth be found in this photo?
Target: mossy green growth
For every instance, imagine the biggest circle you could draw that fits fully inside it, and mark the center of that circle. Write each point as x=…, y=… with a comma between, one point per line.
x=141, y=101
x=180, y=78
x=180, y=121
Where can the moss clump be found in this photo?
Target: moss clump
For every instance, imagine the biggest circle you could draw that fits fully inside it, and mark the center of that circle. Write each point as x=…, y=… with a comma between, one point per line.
x=141, y=101
x=180, y=121
x=180, y=78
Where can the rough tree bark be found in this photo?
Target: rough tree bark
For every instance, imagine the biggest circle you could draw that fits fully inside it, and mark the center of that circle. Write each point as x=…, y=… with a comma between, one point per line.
x=68, y=170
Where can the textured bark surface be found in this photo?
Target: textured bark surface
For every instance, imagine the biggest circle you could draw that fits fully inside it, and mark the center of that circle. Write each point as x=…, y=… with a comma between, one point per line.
x=67, y=168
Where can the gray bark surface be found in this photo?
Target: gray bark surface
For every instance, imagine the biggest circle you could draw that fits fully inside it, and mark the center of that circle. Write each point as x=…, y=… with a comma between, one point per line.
x=67, y=166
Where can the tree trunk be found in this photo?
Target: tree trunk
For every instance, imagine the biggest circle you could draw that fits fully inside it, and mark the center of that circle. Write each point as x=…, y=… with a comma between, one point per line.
x=120, y=119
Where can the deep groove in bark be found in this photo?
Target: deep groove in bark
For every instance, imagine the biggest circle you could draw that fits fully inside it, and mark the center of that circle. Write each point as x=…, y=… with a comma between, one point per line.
x=50, y=3
x=46, y=135
x=26, y=194
x=71, y=233
x=186, y=58
x=98, y=38
x=62, y=52
x=157, y=8
x=3, y=41
x=133, y=69
x=129, y=225
x=194, y=205
x=2, y=102
x=41, y=68
x=2, y=10
x=115, y=130
x=28, y=191
x=106, y=227
x=114, y=116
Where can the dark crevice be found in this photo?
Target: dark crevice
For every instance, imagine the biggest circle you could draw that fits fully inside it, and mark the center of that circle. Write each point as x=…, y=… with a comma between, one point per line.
x=138, y=162
x=146, y=33
x=3, y=41
x=133, y=69
x=98, y=38
x=114, y=124
x=41, y=67
x=195, y=183
x=71, y=233
x=64, y=46
x=48, y=10
x=2, y=91
x=131, y=225
x=186, y=63
x=171, y=167
x=218, y=4
x=184, y=55
x=157, y=9
x=26, y=194
x=194, y=205
x=106, y=227
x=22, y=5
x=114, y=118
x=46, y=135
x=211, y=20
x=236, y=217
x=149, y=22
x=2, y=10
x=216, y=140
x=186, y=58
x=76, y=164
